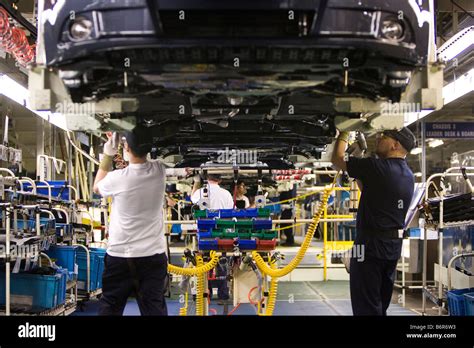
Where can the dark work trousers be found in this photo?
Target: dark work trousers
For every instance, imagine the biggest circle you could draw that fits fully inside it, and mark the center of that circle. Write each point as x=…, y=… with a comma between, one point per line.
x=287, y=214
x=144, y=277
x=371, y=283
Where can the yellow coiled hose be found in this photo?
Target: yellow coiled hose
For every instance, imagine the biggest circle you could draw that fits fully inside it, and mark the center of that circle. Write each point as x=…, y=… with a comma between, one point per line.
x=272, y=293
x=199, y=288
x=183, y=311
x=199, y=271
x=277, y=273
x=196, y=270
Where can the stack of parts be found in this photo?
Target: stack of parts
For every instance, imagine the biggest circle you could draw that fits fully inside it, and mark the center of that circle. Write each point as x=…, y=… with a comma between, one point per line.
x=228, y=229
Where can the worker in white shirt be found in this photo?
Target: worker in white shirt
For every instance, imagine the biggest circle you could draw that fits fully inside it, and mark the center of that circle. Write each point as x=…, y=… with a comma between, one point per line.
x=136, y=261
x=219, y=198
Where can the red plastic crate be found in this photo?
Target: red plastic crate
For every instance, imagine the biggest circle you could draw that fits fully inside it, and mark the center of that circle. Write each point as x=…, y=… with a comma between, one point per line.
x=266, y=244
x=225, y=244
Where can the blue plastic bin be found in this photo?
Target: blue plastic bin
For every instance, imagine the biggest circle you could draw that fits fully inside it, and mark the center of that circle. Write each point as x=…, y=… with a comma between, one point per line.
x=208, y=244
x=64, y=256
x=39, y=291
x=469, y=304
x=212, y=213
x=226, y=213
x=205, y=234
x=206, y=224
x=96, y=268
x=262, y=224
x=59, y=189
x=45, y=223
x=238, y=213
x=176, y=229
x=274, y=208
x=247, y=244
x=457, y=301
x=63, y=229
x=64, y=274
x=26, y=224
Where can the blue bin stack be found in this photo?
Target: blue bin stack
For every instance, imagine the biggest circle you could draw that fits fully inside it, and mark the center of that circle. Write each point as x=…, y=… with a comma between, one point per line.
x=225, y=228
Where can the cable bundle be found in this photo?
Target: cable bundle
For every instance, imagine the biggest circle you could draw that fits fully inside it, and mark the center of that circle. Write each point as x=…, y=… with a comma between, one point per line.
x=14, y=41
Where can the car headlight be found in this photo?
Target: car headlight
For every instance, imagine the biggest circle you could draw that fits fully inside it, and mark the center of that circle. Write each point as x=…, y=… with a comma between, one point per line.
x=393, y=29
x=81, y=29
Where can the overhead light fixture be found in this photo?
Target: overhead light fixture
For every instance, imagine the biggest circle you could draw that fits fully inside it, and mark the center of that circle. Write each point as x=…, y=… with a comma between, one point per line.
x=416, y=151
x=16, y=92
x=435, y=143
x=463, y=85
x=457, y=44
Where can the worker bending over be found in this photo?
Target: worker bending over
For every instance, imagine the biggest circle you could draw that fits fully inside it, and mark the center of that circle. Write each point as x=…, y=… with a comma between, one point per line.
x=135, y=262
x=387, y=186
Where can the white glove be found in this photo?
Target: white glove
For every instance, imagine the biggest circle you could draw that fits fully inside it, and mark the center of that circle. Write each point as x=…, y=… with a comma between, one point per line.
x=109, y=148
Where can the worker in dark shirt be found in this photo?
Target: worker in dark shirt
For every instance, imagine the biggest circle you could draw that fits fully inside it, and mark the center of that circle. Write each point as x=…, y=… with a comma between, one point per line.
x=387, y=185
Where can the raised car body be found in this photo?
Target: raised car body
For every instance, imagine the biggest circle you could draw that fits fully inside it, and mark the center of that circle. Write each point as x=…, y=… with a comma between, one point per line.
x=247, y=74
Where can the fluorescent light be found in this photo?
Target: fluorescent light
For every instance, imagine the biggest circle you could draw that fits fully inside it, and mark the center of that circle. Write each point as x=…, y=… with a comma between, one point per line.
x=463, y=85
x=16, y=92
x=435, y=143
x=416, y=151
x=457, y=44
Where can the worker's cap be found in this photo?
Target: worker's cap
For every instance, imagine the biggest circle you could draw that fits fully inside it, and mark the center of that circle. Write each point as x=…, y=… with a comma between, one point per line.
x=140, y=139
x=404, y=137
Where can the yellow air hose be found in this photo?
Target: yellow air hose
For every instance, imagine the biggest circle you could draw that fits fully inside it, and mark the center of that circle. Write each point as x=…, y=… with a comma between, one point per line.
x=272, y=293
x=277, y=273
x=199, y=288
x=196, y=270
x=183, y=311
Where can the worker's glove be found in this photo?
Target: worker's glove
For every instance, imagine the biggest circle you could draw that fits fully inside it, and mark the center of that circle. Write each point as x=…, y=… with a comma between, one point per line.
x=344, y=136
x=111, y=146
x=358, y=147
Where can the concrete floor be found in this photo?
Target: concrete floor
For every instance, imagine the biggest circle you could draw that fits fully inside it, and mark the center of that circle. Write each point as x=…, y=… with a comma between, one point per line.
x=294, y=298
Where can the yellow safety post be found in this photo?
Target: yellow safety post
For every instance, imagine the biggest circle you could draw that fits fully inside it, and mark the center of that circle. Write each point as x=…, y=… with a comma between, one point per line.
x=325, y=241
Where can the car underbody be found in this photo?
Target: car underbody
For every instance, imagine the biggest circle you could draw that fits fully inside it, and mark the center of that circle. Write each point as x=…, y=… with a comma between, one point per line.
x=276, y=77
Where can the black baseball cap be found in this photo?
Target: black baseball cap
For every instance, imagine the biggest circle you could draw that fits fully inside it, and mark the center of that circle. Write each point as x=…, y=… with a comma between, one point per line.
x=140, y=140
x=404, y=136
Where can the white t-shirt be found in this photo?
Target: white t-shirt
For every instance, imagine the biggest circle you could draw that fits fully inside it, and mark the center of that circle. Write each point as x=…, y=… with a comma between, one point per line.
x=136, y=222
x=219, y=198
